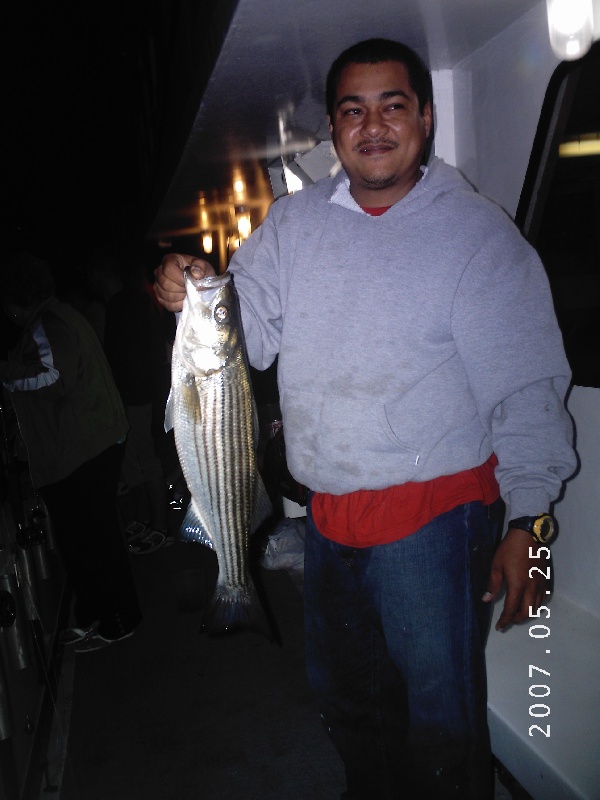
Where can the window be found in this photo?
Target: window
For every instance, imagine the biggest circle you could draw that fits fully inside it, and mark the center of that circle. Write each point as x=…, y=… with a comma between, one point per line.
x=559, y=209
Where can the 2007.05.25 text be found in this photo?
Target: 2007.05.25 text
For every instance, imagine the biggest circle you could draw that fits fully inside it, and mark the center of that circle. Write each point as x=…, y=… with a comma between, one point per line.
x=537, y=630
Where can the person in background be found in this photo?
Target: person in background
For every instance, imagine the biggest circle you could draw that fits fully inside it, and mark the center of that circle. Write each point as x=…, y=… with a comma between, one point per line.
x=422, y=381
x=73, y=424
x=135, y=347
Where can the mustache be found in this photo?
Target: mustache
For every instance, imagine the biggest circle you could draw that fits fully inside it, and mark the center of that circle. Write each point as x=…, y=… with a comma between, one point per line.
x=374, y=142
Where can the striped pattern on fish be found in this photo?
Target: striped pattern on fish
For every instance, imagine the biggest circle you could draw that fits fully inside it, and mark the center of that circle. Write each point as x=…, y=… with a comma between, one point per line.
x=215, y=425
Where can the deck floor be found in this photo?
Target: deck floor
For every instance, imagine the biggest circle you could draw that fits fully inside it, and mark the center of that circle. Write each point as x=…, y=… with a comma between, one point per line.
x=174, y=714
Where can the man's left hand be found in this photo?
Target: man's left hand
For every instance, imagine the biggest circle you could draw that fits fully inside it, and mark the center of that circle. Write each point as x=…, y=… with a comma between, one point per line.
x=511, y=565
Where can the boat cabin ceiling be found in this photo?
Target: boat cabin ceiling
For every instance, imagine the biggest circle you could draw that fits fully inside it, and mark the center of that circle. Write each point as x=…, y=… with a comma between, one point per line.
x=264, y=96
x=503, y=102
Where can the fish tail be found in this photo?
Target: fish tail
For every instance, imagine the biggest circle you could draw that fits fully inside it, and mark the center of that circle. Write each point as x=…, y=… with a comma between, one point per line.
x=232, y=609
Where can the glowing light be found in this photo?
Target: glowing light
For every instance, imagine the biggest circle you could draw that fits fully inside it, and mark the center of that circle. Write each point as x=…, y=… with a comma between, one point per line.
x=203, y=212
x=207, y=242
x=244, y=224
x=571, y=27
x=584, y=146
x=239, y=189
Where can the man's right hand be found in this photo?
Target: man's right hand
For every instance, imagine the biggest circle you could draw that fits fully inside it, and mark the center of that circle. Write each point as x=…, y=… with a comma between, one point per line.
x=169, y=285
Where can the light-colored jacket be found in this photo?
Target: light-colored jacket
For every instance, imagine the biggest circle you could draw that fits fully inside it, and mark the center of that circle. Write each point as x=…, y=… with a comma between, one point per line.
x=411, y=345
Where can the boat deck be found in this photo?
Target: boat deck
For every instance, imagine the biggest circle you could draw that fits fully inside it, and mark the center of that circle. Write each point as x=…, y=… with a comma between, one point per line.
x=171, y=713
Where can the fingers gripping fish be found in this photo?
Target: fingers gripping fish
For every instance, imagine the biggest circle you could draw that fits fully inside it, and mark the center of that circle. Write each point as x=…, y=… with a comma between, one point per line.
x=212, y=411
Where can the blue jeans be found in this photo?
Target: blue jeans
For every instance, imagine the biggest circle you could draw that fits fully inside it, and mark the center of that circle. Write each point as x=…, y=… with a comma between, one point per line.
x=395, y=638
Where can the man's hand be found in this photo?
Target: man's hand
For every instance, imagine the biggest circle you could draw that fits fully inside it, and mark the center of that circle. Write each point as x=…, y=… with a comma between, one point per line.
x=511, y=565
x=169, y=284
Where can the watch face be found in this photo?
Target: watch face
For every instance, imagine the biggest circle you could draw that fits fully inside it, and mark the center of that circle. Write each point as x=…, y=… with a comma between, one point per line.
x=543, y=527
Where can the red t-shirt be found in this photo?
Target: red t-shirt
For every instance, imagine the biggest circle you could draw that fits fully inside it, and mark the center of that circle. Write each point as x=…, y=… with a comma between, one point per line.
x=379, y=516
x=370, y=517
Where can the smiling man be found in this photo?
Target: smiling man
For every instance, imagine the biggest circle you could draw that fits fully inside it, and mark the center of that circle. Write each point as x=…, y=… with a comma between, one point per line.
x=379, y=132
x=422, y=381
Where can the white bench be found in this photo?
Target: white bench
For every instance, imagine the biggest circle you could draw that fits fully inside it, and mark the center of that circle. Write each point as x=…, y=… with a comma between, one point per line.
x=560, y=760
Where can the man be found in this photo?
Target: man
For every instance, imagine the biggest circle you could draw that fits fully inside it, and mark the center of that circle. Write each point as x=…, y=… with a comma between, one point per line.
x=72, y=422
x=420, y=365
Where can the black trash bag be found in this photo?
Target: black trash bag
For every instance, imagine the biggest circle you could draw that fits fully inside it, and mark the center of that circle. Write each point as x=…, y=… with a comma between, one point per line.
x=277, y=477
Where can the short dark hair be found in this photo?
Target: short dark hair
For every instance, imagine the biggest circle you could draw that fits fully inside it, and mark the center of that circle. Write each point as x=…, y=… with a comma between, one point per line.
x=26, y=279
x=376, y=51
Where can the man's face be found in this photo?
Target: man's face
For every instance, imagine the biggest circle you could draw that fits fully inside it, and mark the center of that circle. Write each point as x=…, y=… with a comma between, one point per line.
x=378, y=131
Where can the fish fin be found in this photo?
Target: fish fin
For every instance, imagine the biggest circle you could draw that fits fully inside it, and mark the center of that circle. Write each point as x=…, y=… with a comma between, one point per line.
x=262, y=508
x=235, y=609
x=169, y=412
x=192, y=528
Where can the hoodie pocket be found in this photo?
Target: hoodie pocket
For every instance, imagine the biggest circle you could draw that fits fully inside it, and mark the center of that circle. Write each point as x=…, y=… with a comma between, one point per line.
x=400, y=442
x=342, y=429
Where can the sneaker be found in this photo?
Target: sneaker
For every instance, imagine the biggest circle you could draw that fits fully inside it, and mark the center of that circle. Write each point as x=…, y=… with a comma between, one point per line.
x=169, y=539
x=98, y=642
x=136, y=529
x=74, y=635
x=149, y=543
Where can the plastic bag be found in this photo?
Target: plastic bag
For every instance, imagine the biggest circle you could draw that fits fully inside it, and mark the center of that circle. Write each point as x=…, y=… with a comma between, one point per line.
x=285, y=546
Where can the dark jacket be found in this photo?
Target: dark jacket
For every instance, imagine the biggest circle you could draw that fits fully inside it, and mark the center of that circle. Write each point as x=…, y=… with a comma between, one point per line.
x=63, y=392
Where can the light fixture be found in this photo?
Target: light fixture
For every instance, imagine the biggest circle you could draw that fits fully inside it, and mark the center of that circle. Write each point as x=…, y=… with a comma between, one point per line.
x=207, y=242
x=571, y=27
x=584, y=145
x=244, y=224
x=239, y=188
x=203, y=211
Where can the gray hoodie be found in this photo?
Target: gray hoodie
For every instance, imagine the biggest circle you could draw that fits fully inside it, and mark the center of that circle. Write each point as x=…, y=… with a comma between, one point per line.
x=411, y=345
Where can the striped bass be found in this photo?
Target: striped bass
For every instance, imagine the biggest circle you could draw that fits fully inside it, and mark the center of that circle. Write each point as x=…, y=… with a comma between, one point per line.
x=212, y=411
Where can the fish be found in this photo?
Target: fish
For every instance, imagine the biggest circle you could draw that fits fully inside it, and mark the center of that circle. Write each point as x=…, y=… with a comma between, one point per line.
x=212, y=411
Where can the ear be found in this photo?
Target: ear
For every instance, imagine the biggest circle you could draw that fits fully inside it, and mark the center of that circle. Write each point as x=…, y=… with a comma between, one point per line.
x=427, y=118
x=330, y=124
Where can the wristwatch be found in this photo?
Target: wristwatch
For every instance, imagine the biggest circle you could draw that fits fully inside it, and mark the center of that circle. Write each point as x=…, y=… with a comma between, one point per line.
x=542, y=527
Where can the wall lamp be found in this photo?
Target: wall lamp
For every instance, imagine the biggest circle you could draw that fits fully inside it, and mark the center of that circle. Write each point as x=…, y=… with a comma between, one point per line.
x=571, y=26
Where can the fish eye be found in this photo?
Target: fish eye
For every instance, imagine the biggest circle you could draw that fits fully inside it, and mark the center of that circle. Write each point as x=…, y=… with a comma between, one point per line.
x=221, y=313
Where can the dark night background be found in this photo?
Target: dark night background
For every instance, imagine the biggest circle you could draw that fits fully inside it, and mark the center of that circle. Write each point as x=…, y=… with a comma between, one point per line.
x=69, y=159
x=98, y=99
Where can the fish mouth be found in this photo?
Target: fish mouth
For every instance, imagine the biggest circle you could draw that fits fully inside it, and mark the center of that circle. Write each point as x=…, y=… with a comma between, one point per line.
x=208, y=282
